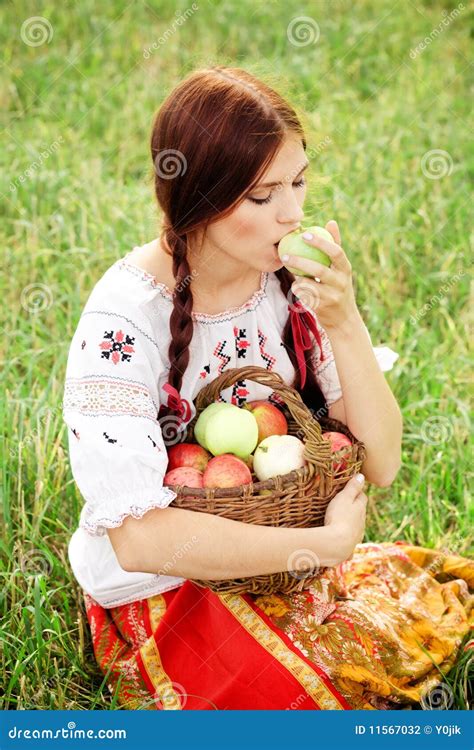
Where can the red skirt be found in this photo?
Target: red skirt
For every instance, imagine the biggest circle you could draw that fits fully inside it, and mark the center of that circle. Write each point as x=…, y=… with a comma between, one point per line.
x=371, y=633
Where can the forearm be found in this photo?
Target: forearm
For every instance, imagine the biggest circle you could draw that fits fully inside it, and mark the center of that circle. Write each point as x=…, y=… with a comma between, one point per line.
x=372, y=412
x=188, y=544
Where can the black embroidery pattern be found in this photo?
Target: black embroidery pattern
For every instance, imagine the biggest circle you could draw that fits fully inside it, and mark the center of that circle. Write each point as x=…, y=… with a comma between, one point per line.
x=239, y=393
x=219, y=353
x=267, y=358
x=155, y=445
x=118, y=348
x=241, y=342
x=109, y=439
x=206, y=370
x=276, y=399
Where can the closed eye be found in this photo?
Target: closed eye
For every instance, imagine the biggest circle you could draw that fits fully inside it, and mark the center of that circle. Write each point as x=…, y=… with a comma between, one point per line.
x=299, y=184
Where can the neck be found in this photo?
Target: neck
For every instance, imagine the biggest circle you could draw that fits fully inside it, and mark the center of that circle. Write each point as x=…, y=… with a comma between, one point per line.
x=216, y=274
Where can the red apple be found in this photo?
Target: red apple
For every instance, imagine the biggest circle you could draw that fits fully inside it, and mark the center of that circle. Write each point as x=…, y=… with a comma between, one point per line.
x=226, y=471
x=187, y=454
x=341, y=446
x=270, y=419
x=185, y=476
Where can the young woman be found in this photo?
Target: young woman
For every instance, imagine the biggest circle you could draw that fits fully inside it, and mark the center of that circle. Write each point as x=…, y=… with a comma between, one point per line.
x=208, y=294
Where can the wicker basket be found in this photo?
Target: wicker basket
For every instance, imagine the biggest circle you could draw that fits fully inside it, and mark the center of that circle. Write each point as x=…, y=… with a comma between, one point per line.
x=298, y=499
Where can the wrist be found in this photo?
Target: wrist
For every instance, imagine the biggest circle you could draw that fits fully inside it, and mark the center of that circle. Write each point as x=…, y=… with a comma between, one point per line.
x=346, y=327
x=328, y=543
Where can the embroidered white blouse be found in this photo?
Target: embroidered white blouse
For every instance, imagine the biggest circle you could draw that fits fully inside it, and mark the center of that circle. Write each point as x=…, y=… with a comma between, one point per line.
x=116, y=369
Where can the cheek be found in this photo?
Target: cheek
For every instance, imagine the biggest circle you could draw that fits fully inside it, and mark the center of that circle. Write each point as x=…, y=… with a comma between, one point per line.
x=246, y=223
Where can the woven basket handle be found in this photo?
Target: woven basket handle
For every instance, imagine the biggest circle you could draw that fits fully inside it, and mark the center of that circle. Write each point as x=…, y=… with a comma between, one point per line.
x=298, y=409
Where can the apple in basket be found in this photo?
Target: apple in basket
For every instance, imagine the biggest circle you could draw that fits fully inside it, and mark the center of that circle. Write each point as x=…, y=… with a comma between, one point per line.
x=228, y=429
x=293, y=244
x=226, y=471
x=270, y=420
x=278, y=454
x=203, y=419
x=341, y=446
x=187, y=454
x=184, y=475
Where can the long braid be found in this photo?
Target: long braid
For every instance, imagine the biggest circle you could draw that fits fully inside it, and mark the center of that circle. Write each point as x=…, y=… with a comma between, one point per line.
x=311, y=393
x=181, y=321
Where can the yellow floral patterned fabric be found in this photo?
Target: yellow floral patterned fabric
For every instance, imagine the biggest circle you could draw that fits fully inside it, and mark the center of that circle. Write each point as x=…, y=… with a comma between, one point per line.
x=382, y=624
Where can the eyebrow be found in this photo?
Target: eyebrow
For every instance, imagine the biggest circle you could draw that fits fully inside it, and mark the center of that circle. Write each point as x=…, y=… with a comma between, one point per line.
x=272, y=184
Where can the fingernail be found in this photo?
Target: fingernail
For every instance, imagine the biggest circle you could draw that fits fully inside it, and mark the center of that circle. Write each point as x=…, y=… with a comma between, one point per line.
x=307, y=236
x=285, y=257
x=360, y=478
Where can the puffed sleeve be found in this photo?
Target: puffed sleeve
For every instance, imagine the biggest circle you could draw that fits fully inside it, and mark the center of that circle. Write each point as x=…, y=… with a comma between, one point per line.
x=326, y=371
x=111, y=402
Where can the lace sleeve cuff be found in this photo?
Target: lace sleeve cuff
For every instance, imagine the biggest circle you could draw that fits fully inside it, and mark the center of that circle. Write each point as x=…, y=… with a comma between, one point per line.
x=96, y=518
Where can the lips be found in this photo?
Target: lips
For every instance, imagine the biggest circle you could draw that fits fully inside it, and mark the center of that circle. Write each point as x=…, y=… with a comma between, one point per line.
x=286, y=235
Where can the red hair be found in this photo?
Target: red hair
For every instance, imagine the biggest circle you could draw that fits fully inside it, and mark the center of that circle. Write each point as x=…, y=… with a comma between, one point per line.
x=212, y=139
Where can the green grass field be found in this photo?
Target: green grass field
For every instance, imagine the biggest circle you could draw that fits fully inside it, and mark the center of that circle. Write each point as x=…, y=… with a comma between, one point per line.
x=387, y=127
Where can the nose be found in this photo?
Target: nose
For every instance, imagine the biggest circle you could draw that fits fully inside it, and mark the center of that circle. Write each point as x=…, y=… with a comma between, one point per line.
x=290, y=211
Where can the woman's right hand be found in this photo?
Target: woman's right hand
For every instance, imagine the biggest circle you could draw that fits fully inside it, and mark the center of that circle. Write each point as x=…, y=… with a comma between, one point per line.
x=345, y=515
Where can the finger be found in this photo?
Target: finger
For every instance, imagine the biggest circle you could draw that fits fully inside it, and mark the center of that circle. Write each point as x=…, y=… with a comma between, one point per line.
x=335, y=252
x=333, y=229
x=354, y=486
x=312, y=269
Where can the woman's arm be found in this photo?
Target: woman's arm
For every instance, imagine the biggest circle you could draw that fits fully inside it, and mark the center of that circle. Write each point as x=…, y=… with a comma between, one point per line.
x=189, y=544
x=371, y=410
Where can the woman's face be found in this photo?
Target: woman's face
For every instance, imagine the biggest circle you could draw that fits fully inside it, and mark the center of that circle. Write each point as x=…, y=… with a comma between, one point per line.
x=266, y=214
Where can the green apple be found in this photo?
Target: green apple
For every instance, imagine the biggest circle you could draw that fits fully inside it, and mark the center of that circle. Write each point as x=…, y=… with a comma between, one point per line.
x=231, y=430
x=202, y=420
x=292, y=244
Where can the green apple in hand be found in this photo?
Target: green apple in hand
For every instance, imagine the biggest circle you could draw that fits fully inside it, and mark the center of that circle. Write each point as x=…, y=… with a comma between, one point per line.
x=293, y=244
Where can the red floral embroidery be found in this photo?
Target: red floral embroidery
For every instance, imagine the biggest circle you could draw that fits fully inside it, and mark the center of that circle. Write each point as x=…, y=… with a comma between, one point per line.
x=118, y=349
x=239, y=393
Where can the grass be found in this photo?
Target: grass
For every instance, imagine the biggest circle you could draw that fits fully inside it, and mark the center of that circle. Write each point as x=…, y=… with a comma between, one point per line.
x=86, y=99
